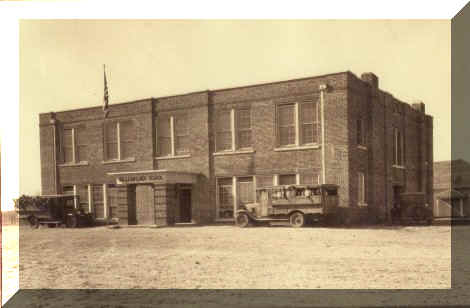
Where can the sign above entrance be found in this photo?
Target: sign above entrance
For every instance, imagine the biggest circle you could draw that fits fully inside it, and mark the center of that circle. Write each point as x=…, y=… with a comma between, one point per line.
x=154, y=177
x=133, y=179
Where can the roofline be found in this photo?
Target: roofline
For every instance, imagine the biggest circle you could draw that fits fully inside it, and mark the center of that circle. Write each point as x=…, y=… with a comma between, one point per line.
x=207, y=91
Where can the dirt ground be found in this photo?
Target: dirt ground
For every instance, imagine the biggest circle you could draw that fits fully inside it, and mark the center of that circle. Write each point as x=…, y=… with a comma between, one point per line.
x=224, y=257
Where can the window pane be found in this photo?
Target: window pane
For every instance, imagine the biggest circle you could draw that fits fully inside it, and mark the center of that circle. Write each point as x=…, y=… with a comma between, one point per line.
x=127, y=149
x=223, y=120
x=264, y=180
x=82, y=191
x=98, y=201
x=245, y=190
x=111, y=132
x=308, y=113
x=307, y=133
x=399, y=149
x=164, y=136
x=182, y=144
x=225, y=198
x=113, y=201
x=164, y=146
x=127, y=131
x=181, y=134
x=111, y=151
x=67, y=146
x=286, y=115
x=395, y=158
x=81, y=152
x=224, y=141
x=287, y=135
x=244, y=139
x=361, y=188
x=244, y=119
x=308, y=179
x=81, y=145
x=287, y=179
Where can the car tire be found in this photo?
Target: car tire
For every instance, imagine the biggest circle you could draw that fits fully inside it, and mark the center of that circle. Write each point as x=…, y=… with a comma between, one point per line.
x=243, y=220
x=33, y=222
x=297, y=220
x=71, y=221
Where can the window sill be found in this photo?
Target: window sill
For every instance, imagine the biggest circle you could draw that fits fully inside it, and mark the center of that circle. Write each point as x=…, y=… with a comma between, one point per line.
x=234, y=152
x=81, y=163
x=362, y=147
x=298, y=148
x=362, y=204
x=116, y=161
x=173, y=157
x=398, y=167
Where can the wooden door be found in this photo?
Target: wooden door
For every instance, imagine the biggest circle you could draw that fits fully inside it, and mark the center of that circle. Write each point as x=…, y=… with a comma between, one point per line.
x=185, y=205
x=144, y=204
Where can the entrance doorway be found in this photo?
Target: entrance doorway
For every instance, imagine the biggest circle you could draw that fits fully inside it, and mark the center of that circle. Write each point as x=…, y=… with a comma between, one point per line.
x=185, y=205
x=144, y=204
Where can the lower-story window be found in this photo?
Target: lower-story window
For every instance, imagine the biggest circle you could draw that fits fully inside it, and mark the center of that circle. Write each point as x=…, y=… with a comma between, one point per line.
x=225, y=198
x=287, y=179
x=82, y=192
x=112, y=192
x=98, y=201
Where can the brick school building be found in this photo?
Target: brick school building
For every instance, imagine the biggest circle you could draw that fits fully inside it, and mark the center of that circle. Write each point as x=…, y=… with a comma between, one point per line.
x=194, y=158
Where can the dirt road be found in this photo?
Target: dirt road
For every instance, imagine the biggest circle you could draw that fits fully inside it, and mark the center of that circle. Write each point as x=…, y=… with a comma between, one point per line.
x=230, y=257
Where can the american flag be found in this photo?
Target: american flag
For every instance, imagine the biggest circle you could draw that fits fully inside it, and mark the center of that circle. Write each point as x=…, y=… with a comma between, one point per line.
x=106, y=95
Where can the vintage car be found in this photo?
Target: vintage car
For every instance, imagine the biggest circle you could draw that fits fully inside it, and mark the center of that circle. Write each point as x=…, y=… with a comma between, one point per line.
x=296, y=204
x=53, y=210
x=412, y=208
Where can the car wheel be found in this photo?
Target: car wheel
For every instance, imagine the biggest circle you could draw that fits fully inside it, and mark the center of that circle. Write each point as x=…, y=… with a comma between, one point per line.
x=297, y=220
x=34, y=222
x=243, y=220
x=71, y=221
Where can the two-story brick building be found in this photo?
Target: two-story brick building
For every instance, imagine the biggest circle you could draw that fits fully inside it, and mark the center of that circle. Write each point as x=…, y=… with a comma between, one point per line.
x=195, y=157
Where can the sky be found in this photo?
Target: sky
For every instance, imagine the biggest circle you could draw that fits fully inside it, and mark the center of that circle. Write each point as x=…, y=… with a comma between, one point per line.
x=61, y=64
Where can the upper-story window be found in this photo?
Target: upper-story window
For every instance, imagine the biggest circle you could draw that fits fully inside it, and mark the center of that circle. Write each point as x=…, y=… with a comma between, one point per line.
x=119, y=140
x=361, y=132
x=297, y=124
x=233, y=130
x=398, y=153
x=73, y=146
x=172, y=135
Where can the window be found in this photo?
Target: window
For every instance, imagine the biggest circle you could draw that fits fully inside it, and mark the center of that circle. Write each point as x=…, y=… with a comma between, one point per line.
x=361, y=132
x=73, y=146
x=397, y=147
x=225, y=198
x=264, y=181
x=286, y=125
x=361, y=189
x=243, y=125
x=309, y=123
x=82, y=191
x=287, y=179
x=233, y=130
x=308, y=179
x=68, y=190
x=298, y=124
x=172, y=135
x=164, y=136
x=98, y=201
x=119, y=140
x=223, y=131
x=112, y=192
x=182, y=134
x=245, y=190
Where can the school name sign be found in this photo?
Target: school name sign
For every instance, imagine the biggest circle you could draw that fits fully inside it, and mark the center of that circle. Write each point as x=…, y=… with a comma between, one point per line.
x=155, y=177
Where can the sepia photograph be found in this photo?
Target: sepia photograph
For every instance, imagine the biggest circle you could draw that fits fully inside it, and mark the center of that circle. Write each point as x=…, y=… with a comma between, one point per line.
x=234, y=154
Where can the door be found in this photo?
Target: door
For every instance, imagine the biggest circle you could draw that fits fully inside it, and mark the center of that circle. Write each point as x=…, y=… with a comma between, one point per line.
x=185, y=205
x=144, y=205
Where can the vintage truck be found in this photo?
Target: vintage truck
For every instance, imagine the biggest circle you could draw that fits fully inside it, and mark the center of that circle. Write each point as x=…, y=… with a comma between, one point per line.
x=411, y=208
x=53, y=210
x=296, y=204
